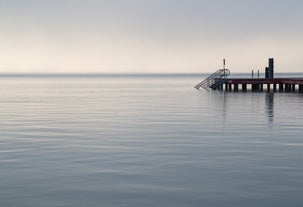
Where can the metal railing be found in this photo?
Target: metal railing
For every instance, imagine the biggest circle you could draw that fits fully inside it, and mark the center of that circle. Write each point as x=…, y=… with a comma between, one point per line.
x=214, y=80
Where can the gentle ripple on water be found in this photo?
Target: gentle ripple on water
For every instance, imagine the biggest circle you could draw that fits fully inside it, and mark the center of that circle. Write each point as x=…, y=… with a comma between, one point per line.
x=146, y=141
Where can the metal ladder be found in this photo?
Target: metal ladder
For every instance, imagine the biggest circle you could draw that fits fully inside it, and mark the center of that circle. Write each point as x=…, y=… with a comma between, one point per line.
x=214, y=80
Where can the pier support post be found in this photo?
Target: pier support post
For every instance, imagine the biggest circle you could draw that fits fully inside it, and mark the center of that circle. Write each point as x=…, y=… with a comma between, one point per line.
x=244, y=87
x=293, y=88
x=290, y=88
x=230, y=87
x=281, y=87
x=268, y=87
x=275, y=87
x=255, y=87
x=261, y=87
x=226, y=87
x=300, y=88
x=287, y=87
x=236, y=87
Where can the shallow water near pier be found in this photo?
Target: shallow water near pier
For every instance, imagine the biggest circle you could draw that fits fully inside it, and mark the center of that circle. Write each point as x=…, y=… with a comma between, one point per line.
x=146, y=140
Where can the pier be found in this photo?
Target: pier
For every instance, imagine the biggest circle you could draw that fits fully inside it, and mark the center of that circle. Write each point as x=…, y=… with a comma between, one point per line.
x=220, y=81
x=260, y=85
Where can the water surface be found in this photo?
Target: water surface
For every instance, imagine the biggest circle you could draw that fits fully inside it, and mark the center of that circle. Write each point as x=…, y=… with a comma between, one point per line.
x=146, y=141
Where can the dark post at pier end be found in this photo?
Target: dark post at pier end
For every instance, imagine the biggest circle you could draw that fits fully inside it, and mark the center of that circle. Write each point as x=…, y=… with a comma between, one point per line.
x=269, y=71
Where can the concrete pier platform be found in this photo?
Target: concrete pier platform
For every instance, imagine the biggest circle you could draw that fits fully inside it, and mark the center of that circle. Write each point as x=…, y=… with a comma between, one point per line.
x=260, y=84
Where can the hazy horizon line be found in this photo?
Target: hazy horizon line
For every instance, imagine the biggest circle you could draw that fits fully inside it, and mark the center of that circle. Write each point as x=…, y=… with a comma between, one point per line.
x=56, y=74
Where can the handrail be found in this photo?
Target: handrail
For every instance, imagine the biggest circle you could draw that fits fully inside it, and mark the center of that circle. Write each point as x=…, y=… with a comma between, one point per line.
x=214, y=80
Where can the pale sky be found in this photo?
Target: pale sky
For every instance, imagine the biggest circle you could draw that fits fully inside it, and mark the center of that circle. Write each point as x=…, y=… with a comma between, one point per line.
x=149, y=36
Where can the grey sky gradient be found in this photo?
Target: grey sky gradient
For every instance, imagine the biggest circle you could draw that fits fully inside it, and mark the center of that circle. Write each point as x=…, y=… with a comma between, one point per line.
x=149, y=36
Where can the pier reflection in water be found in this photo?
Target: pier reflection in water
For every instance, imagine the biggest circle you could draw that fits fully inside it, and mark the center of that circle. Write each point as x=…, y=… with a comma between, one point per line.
x=244, y=106
x=269, y=103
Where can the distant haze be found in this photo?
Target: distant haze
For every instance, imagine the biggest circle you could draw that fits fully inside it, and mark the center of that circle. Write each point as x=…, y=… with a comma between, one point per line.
x=149, y=36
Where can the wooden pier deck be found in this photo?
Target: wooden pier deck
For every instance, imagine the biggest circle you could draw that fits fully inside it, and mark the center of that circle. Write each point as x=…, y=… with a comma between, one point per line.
x=262, y=84
x=220, y=81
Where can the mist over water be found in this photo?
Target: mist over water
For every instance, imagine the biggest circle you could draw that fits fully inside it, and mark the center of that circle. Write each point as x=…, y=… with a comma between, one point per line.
x=146, y=141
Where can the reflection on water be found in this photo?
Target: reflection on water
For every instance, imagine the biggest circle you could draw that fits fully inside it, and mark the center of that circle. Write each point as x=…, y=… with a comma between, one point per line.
x=269, y=102
x=227, y=102
x=244, y=104
x=152, y=141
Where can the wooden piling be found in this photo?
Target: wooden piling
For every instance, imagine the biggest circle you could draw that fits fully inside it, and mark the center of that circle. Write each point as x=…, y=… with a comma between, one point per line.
x=257, y=85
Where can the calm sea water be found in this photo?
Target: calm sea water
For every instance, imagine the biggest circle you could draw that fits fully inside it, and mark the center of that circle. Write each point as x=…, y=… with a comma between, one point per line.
x=146, y=141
